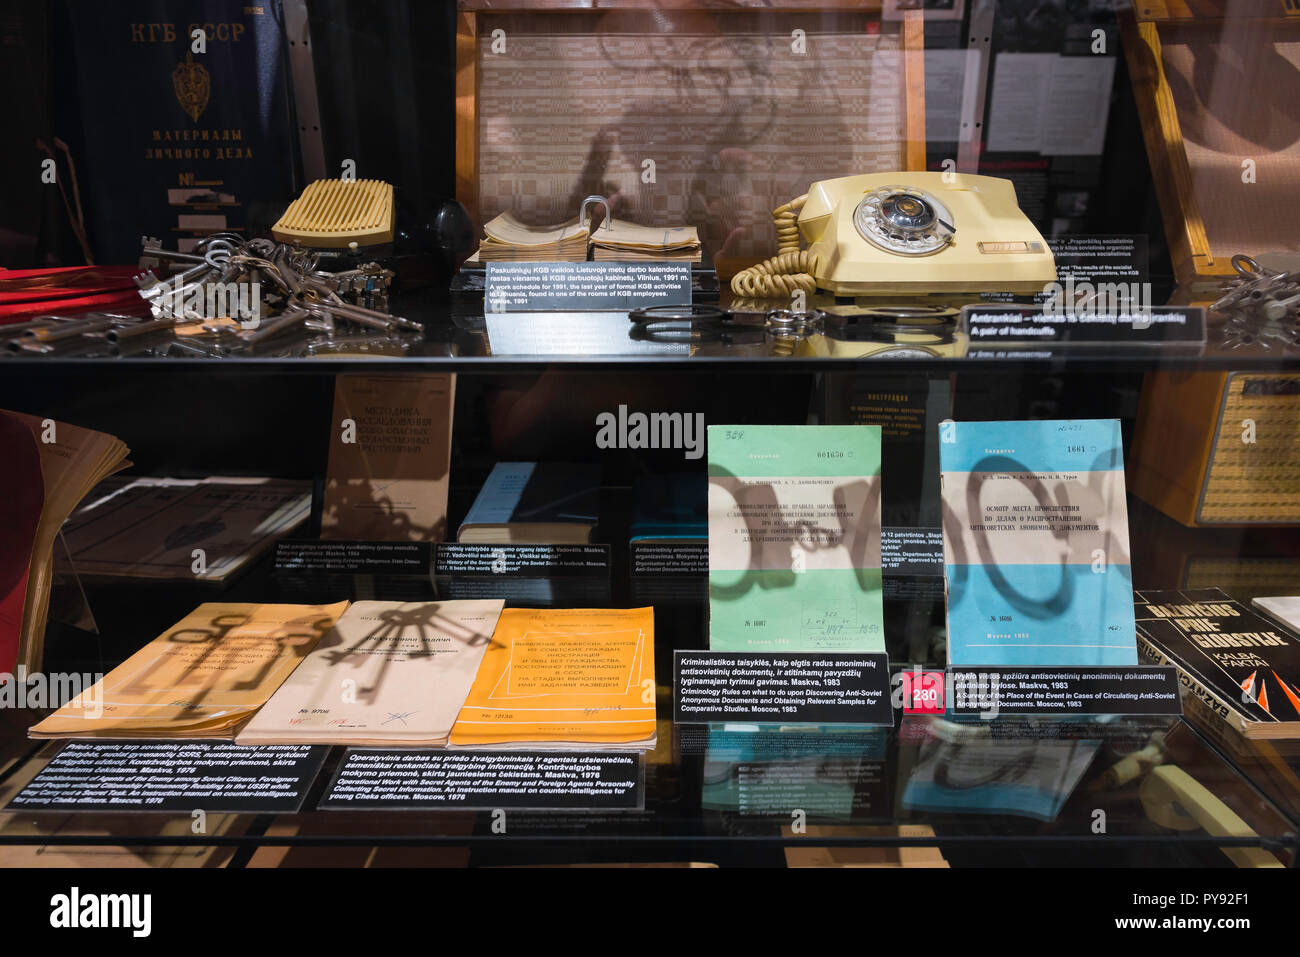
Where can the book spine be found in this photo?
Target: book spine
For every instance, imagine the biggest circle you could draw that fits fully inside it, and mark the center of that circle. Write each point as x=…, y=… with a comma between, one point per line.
x=1189, y=686
x=499, y=497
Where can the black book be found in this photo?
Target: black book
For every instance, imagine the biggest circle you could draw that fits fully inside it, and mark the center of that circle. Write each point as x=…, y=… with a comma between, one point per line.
x=1241, y=666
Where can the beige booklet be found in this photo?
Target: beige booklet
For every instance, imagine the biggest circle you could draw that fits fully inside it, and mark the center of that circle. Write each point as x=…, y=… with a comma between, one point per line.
x=506, y=239
x=73, y=460
x=389, y=674
x=390, y=447
x=202, y=678
x=623, y=241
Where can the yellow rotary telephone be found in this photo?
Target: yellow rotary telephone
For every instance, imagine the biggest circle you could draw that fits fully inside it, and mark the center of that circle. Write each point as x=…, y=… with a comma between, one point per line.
x=902, y=233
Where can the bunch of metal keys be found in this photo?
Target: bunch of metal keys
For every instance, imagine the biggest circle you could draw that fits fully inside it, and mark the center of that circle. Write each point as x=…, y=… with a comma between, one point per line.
x=268, y=288
x=1260, y=306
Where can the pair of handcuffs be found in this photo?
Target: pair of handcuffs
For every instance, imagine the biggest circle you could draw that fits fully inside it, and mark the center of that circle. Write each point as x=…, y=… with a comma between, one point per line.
x=918, y=330
x=704, y=323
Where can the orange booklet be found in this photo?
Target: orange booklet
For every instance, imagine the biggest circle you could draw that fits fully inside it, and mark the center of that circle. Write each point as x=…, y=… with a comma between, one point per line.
x=560, y=677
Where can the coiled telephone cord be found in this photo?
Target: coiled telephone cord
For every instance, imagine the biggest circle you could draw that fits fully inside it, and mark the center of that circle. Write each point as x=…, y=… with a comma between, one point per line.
x=790, y=269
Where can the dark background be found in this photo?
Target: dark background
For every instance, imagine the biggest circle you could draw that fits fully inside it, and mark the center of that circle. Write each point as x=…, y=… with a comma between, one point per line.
x=385, y=76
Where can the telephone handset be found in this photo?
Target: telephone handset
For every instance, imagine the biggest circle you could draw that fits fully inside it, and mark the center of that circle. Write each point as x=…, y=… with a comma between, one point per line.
x=902, y=232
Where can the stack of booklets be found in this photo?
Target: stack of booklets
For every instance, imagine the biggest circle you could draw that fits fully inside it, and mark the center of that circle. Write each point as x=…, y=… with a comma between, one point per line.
x=148, y=528
x=621, y=241
x=1241, y=668
x=389, y=674
x=203, y=678
x=555, y=678
x=506, y=239
x=382, y=674
x=534, y=503
x=48, y=468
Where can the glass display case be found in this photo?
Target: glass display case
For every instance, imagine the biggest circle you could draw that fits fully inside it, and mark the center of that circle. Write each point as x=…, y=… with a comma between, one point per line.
x=592, y=433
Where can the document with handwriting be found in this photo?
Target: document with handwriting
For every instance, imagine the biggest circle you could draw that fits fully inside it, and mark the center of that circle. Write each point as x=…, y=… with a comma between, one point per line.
x=794, y=538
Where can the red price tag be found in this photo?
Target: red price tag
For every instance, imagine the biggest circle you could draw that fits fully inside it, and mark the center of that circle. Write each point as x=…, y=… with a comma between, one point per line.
x=923, y=692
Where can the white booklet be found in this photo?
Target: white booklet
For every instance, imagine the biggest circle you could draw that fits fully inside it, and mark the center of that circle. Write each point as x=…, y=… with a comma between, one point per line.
x=389, y=674
x=1284, y=609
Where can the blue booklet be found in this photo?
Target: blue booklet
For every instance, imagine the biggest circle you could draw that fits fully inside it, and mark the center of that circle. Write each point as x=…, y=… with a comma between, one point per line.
x=545, y=503
x=1036, y=546
x=1021, y=777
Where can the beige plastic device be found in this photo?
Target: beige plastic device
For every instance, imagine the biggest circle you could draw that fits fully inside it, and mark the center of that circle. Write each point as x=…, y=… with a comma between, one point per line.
x=1172, y=798
x=919, y=232
x=334, y=213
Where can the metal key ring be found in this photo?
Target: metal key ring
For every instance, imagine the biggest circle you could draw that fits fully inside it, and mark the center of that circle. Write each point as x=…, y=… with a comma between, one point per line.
x=1247, y=268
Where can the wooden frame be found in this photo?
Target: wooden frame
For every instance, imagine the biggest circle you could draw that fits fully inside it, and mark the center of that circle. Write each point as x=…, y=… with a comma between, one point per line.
x=468, y=24
x=1180, y=210
x=1205, y=10
x=914, y=86
x=1189, y=247
x=467, y=112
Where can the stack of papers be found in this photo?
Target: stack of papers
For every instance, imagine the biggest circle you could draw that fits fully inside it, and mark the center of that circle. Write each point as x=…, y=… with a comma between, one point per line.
x=506, y=239
x=622, y=241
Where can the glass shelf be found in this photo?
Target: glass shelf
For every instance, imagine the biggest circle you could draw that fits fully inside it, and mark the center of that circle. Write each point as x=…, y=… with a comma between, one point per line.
x=747, y=796
x=1012, y=790
x=459, y=338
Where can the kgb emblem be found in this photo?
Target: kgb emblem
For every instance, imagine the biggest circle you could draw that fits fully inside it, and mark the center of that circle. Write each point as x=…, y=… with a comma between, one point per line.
x=193, y=84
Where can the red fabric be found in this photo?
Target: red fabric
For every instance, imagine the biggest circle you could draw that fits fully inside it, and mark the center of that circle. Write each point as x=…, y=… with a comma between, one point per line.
x=32, y=292
x=22, y=495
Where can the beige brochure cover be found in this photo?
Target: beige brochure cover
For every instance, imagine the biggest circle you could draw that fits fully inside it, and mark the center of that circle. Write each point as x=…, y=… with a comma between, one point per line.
x=390, y=445
x=621, y=234
x=564, y=676
x=508, y=230
x=73, y=461
x=389, y=673
x=202, y=678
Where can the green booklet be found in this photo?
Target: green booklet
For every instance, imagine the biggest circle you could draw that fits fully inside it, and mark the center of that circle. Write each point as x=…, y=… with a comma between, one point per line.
x=794, y=538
